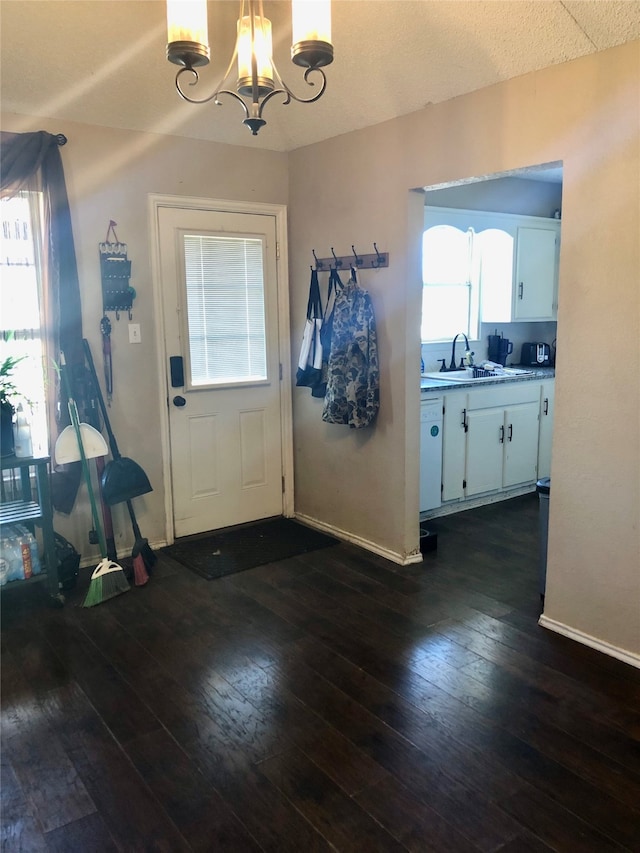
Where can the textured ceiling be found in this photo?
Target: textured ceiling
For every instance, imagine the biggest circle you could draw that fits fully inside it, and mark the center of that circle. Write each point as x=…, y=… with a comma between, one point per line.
x=103, y=61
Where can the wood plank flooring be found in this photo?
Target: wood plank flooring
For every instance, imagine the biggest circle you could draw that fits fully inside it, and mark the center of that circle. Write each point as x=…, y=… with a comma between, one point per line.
x=333, y=701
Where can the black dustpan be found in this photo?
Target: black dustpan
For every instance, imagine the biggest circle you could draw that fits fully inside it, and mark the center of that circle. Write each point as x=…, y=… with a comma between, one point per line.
x=123, y=479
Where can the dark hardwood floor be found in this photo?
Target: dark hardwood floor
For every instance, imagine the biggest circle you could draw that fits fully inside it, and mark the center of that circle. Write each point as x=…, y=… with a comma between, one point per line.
x=332, y=701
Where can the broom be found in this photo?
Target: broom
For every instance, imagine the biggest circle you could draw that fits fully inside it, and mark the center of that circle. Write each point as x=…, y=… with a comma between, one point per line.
x=107, y=581
x=142, y=555
x=108, y=578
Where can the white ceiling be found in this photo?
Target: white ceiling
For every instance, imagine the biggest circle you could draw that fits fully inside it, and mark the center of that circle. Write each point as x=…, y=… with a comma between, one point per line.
x=103, y=61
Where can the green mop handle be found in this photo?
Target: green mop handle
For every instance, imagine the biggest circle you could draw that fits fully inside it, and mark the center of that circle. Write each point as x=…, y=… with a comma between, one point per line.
x=73, y=413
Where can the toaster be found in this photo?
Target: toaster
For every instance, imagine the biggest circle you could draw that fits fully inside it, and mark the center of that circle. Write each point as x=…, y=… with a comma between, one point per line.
x=535, y=354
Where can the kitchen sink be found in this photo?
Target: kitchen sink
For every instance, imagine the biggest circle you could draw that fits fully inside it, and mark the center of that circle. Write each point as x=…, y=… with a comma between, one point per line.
x=463, y=376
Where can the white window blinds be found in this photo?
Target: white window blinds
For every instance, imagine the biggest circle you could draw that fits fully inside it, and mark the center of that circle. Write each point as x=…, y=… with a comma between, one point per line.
x=225, y=309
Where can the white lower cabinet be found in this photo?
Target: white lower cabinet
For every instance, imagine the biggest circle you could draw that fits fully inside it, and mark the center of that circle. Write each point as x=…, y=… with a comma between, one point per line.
x=453, y=445
x=502, y=448
x=485, y=451
x=520, y=444
x=495, y=439
x=546, y=428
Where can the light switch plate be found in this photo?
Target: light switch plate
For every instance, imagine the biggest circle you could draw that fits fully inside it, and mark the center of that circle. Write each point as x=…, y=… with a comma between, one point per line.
x=134, y=333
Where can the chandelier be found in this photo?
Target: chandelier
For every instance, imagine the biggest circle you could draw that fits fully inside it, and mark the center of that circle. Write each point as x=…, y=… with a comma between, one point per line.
x=258, y=79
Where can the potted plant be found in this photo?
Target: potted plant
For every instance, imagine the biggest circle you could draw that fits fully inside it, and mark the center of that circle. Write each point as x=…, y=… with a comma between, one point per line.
x=8, y=393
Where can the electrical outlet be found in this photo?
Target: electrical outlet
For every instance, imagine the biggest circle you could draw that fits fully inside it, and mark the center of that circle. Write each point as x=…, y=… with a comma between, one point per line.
x=134, y=333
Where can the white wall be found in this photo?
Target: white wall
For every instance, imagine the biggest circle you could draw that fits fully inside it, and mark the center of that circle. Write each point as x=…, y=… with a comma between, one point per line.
x=357, y=189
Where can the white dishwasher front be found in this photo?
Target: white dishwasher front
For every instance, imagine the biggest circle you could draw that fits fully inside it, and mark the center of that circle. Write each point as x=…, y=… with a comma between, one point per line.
x=430, y=453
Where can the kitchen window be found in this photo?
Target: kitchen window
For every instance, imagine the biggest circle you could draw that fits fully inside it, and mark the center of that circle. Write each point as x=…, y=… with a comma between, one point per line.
x=450, y=295
x=465, y=268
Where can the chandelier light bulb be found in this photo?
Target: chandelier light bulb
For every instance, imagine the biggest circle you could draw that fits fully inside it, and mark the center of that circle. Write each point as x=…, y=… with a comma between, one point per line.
x=255, y=46
x=187, y=38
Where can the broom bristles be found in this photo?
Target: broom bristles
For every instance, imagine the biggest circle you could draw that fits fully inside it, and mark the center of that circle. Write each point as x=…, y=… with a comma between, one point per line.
x=107, y=581
x=140, y=574
x=94, y=593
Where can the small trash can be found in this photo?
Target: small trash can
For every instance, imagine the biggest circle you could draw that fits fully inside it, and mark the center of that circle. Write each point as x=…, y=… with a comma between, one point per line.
x=543, y=488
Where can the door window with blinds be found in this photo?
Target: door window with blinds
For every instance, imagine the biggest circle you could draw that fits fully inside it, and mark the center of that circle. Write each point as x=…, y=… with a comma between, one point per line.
x=225, y=309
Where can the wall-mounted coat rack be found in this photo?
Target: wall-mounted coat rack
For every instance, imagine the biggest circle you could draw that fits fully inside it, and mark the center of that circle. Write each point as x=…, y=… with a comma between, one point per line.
x=360, y=262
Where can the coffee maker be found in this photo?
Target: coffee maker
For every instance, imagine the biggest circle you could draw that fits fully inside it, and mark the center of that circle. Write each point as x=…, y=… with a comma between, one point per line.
x=499, y=348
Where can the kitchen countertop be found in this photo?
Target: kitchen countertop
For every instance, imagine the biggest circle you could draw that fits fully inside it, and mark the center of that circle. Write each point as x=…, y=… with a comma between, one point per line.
x=538, y=374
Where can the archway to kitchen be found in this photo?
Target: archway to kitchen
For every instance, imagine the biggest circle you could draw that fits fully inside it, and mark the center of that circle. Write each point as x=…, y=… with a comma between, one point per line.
x=496, y=228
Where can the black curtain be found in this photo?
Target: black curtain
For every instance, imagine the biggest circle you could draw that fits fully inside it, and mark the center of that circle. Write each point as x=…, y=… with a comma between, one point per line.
x=28, y=159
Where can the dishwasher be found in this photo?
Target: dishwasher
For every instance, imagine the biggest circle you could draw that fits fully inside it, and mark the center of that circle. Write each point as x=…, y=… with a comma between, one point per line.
x=430, y=453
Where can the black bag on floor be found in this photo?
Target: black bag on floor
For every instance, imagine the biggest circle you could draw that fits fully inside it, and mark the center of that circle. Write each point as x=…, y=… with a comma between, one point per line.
x=68, y=562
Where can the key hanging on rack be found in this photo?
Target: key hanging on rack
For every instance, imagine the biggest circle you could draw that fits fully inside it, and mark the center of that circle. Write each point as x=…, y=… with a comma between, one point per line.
x=115, y=271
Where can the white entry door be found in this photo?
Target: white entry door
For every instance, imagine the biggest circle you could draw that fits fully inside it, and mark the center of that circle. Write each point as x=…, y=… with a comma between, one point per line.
x=220, y=306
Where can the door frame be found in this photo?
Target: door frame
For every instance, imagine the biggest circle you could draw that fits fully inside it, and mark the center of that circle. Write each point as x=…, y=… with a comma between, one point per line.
x=279, y=211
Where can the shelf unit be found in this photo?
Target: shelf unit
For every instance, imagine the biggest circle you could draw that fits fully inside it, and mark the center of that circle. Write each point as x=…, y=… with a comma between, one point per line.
x=33, y=509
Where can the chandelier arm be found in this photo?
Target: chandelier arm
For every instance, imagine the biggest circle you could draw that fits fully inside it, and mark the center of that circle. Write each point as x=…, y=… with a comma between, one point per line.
x=318, y=94
x=219, y=90
x=284, y=91
x=233, y=95
x=184, y=95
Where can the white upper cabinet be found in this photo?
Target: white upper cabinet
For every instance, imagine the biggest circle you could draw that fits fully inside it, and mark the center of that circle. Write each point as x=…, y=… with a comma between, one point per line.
x=536, y=273
x=511, y=263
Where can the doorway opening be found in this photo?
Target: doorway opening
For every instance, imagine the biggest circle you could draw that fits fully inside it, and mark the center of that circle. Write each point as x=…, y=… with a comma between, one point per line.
x=498, y=224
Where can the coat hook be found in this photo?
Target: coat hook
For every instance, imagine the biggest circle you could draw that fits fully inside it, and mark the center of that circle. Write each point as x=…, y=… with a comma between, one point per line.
x=337, y=260
x=319, y=265
x=355, y=255
x=379, y=258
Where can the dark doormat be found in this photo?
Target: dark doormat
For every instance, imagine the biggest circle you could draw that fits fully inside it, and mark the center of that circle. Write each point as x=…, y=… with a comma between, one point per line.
x=236, y=549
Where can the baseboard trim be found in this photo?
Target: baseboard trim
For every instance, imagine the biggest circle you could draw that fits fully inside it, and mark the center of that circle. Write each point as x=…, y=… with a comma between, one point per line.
x=452, y=507
x=587, y=640
x=122, y=553
x=394, y=557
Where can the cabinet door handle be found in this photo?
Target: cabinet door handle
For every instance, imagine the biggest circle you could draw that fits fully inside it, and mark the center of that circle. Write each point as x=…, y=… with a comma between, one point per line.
x=502, y=435
x=520, y=290
x=546, y=406
x=510, y=432
x=464, y=423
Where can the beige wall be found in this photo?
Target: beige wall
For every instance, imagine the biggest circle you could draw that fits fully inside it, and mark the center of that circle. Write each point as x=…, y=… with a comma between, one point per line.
x=355, y=189
x=109, y=175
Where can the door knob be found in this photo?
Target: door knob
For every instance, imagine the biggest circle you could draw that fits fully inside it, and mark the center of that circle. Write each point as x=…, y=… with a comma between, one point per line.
x=179, y=401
